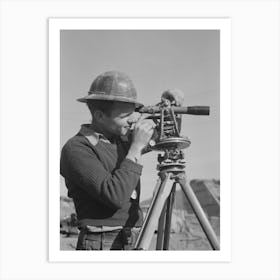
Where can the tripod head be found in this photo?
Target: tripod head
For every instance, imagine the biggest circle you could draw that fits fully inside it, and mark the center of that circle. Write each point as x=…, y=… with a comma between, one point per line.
x=167, y=115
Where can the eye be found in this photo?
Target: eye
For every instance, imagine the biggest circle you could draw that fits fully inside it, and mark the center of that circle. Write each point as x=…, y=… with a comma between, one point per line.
x=126, y=115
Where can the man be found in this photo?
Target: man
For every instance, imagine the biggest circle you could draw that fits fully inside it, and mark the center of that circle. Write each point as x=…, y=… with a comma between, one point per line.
x=102, y=165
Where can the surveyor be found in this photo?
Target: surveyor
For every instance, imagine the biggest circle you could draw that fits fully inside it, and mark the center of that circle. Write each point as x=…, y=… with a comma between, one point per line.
x=101, y=165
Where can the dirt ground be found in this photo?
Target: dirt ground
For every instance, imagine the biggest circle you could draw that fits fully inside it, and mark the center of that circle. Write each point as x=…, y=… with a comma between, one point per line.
x=178, y=242
x=186, y=232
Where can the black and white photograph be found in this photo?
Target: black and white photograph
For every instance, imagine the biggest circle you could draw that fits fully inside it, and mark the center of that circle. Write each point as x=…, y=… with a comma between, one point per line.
x=140, y=139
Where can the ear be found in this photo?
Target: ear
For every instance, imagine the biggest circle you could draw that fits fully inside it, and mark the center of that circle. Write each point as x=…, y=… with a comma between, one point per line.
x=98, y=116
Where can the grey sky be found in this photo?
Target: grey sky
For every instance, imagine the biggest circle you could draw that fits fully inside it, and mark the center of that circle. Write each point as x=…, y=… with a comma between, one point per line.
x=155, y=60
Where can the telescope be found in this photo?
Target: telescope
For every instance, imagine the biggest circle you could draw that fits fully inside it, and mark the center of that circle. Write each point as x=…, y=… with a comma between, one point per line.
x=167, y=116
x=191, y=110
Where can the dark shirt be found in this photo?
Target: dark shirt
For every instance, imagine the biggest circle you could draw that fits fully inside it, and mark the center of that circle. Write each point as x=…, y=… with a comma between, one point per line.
x=101, y=180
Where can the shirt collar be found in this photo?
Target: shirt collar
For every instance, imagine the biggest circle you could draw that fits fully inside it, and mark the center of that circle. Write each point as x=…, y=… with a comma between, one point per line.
x=93, y=136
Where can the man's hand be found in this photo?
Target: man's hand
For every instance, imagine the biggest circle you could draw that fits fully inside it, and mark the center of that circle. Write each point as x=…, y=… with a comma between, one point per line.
x=143, y=131
x=141, y=135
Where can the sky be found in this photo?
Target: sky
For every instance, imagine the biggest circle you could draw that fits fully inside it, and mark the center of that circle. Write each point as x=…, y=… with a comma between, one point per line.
x=156, y=60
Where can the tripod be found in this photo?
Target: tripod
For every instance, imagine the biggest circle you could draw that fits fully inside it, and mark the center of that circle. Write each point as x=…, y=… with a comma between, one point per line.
x=171, y=173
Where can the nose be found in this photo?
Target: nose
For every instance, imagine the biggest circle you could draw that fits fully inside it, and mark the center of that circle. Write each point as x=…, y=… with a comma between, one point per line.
x=131, y=121
x=133, y=118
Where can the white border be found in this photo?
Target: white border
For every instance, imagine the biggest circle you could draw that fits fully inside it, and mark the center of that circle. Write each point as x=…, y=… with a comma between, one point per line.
x=55, y=25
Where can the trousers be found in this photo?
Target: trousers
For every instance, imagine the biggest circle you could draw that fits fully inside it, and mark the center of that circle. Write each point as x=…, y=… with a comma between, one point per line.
x=121, y=239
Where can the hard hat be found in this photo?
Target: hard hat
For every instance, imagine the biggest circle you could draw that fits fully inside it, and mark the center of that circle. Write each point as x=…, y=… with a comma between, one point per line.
x=112, y=86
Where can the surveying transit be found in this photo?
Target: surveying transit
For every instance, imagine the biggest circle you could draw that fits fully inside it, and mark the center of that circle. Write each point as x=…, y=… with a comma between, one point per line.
x=167, y=116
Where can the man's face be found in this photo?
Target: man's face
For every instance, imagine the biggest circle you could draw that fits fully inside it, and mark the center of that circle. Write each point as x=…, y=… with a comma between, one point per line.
x=119, y=122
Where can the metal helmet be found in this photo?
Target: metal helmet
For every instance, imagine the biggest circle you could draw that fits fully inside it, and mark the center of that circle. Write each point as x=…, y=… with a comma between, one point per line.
x=112, y=86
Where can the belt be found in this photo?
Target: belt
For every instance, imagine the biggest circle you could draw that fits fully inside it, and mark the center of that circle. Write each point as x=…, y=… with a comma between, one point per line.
x=95, y=229
x=125, y=237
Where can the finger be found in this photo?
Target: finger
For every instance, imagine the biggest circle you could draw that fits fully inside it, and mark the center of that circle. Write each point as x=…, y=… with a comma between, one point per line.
x=142, y=120
x=152, y=123
x=143, y=117
x=147, y=125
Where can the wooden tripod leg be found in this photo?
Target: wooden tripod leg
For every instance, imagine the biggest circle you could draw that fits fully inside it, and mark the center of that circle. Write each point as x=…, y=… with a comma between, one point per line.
x=151, y=220
x=161, y=226
x=198, y=211
x=168, y=217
